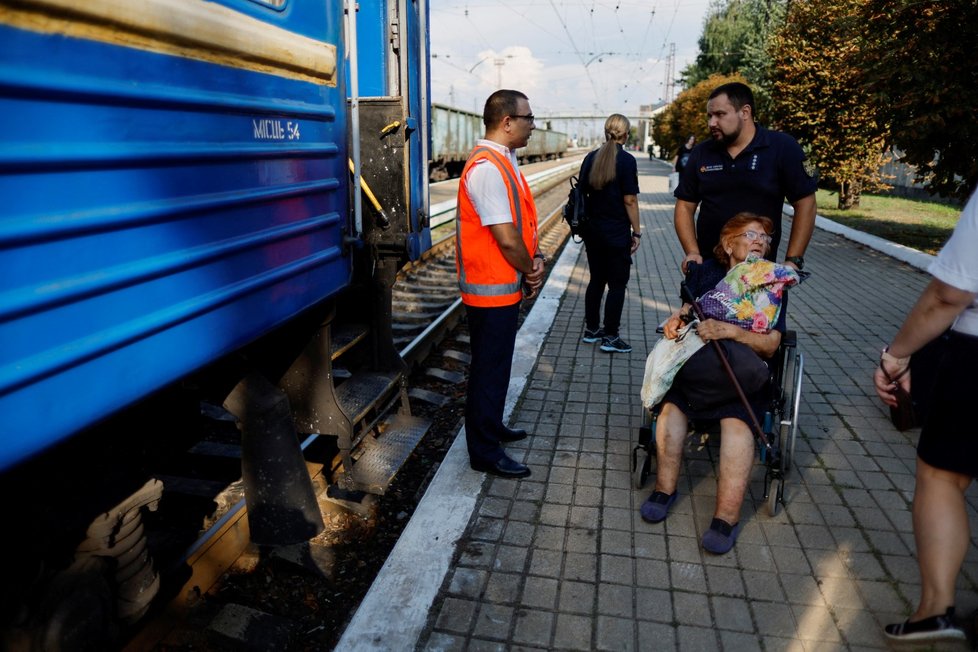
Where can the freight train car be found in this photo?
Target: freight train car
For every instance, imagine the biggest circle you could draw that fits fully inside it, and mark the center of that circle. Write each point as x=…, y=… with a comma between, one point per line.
x=454, y=132
x=203, y=192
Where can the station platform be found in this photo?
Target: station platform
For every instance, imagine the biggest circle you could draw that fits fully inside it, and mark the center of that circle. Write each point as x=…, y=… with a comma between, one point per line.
x=562, y=559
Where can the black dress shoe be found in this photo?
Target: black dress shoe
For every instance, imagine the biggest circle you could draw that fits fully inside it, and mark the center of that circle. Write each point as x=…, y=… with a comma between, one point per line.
x=504, y=467
x=511, y=435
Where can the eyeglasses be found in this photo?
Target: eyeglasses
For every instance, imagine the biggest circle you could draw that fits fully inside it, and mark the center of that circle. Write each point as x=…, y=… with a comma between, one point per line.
x=754, y=235
x=528, y=117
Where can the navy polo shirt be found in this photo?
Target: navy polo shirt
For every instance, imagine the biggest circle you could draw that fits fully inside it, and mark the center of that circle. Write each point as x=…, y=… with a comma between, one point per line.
x=768, y=171
x=605, y=208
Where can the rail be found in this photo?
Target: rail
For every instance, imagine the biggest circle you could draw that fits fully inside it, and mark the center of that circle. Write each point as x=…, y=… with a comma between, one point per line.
x=443, y=212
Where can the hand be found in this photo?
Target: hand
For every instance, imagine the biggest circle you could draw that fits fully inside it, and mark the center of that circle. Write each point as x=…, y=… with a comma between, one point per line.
x=635, y=243
x=672, y=326
x=713, y=329
x=691, y=258
x=790, y=264
x=534, y=279
x=885, y=388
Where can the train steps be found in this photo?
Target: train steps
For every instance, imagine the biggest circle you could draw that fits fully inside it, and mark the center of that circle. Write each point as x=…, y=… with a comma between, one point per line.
x=381, y=434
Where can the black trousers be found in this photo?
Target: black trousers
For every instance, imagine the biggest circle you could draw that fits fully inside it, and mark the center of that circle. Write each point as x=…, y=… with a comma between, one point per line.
x=610, y=267
x=492, y=333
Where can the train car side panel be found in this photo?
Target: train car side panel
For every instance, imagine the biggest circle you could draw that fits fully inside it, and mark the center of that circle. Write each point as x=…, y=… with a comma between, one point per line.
x=163, y=207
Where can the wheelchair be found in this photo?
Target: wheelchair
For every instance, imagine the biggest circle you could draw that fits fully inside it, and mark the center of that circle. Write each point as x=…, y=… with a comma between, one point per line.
x=779, y=424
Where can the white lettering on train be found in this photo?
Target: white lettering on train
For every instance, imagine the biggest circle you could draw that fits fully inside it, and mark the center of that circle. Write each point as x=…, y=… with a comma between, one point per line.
x=275, y=130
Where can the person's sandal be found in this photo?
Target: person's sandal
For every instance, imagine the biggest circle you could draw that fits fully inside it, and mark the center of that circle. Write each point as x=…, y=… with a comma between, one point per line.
x=721, y=537
x=935, y=628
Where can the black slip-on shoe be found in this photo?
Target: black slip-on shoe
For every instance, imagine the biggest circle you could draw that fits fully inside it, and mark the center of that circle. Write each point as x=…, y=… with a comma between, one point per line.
x=513, y=434
x=504, y=467
x=936, y=628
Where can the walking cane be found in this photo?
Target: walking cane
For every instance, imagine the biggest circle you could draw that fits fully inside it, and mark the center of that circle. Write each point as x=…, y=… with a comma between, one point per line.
x=687, y=296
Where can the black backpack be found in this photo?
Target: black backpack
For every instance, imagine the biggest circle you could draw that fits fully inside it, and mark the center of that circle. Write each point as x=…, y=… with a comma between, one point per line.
x=574, y=209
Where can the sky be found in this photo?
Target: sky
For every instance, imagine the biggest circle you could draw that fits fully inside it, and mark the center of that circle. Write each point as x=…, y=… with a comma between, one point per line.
x=571, y=57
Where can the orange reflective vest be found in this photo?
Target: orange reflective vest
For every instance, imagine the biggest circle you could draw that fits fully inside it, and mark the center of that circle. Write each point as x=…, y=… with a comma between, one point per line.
x=485, y=278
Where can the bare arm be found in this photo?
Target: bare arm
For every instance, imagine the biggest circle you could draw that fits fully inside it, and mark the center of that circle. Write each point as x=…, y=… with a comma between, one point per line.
x=512, y=247
x=631, y=209
x=686, y=230
x=802, y=226
x=515, y=252
x=934, y=312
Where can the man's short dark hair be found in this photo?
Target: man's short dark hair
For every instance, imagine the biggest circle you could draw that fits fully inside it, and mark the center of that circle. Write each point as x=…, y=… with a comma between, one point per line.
x=499, y=105
x=738, y=94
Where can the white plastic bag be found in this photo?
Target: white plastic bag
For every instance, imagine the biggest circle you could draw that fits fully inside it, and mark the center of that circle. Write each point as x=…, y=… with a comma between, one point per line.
x=665, y=361
x=673, y=181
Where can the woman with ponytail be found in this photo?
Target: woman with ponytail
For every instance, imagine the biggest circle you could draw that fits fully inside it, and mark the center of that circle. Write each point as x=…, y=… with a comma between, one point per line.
x=609, y=179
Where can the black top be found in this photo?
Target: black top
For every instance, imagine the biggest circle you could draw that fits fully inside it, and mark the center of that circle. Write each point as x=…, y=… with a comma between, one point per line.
x=605, y=208
x=770, y=169
x=682, y=157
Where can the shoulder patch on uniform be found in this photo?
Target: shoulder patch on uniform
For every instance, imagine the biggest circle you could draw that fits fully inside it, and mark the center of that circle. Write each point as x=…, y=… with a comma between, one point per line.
x=810, y=168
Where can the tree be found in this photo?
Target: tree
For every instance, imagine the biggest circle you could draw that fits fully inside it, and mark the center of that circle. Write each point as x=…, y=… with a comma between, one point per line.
x=734, y=39
x=687, y=114
x=821, y=94
x=922, y=74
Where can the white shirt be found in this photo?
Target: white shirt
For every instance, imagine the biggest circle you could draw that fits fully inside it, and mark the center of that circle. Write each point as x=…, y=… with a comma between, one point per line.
x=487, y=188
x=957, y=264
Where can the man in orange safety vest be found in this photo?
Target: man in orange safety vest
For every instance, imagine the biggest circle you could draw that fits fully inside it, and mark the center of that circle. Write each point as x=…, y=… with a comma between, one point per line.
x=498, y=258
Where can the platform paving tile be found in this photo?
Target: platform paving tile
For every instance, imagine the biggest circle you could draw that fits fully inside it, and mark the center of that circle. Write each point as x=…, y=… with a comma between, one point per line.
x=563, y=561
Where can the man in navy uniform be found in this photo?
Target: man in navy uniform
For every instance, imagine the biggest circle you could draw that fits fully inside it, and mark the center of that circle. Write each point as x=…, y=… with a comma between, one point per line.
x=743, y=167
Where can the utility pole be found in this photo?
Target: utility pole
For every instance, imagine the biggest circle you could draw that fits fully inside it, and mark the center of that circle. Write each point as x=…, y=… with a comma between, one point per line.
x=670, y=73
x=500, y=62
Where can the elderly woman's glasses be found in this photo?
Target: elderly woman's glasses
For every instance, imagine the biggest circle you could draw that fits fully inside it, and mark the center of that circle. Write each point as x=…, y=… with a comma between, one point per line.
x=754, y=235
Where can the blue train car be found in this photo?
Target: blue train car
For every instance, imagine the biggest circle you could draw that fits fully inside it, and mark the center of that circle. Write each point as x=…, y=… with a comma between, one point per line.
x=202, y=189
x=176, y=183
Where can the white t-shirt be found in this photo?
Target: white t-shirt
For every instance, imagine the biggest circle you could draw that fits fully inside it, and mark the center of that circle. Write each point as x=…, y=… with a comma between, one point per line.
x=487, y=188
x=957, y=264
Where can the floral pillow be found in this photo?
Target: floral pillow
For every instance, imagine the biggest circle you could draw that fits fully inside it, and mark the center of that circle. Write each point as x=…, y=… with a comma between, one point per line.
x=750, y=295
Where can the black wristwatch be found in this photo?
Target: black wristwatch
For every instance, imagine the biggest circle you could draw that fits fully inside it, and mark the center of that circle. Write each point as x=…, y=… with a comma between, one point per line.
x=798, y=261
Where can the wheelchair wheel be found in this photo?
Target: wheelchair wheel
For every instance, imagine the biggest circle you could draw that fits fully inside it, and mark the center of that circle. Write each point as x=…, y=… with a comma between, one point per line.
x=644, y=451
x=792, y=402
x=775, y=496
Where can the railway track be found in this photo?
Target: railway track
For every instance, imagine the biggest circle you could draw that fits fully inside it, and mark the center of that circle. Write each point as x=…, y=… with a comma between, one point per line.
x=425, y=309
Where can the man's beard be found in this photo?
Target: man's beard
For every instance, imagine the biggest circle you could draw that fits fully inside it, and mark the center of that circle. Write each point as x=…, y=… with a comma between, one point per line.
x=726, y=139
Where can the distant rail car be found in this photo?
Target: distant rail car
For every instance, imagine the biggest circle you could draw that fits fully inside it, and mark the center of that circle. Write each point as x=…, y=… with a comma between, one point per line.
x=454, y=132
x=184, y=198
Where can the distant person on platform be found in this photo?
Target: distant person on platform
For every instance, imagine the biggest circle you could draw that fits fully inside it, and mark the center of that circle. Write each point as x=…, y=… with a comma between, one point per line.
x=609, y=178
x=497, y=255
x=682, y=156
x=743, y=167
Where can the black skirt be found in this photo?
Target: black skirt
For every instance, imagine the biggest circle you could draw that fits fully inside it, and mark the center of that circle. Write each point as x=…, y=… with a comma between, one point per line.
x=760, y=401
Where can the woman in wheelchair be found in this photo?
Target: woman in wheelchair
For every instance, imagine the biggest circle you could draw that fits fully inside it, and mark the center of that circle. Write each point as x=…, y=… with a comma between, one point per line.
x=743, y=235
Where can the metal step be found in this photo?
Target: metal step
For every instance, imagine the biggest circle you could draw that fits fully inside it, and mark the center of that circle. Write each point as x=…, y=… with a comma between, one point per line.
x=383, y=456
x=344, y=336
x=362, y=391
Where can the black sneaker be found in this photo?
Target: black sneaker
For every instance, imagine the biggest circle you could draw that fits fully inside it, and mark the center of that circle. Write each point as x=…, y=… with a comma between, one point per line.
x=593, y=336
x=935, y=628
x=615, y=345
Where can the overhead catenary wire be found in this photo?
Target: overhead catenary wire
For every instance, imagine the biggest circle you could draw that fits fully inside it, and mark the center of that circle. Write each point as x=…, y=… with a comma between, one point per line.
x=638, y=33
